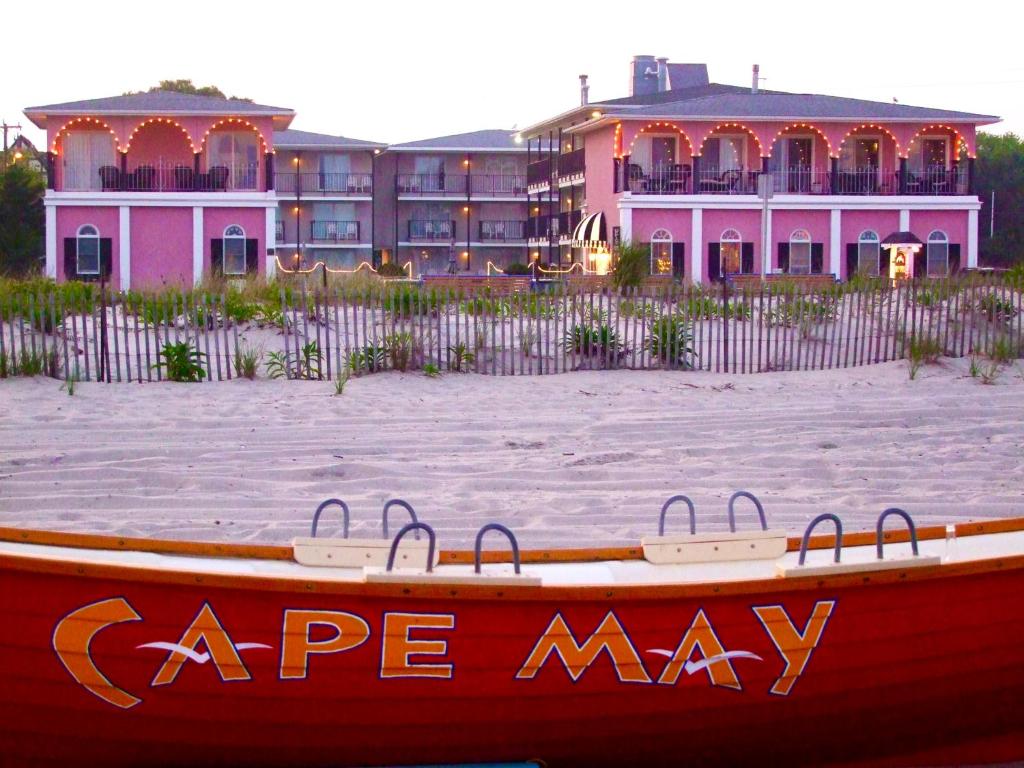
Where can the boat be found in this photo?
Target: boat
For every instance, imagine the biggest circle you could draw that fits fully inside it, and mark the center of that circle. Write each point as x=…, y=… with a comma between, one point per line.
x=899, y=646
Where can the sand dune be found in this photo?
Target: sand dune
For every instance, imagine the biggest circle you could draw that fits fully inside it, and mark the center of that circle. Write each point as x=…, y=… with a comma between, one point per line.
x=575, y=459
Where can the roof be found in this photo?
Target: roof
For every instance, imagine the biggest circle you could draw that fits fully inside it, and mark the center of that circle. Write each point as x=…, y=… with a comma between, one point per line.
x=291, y=139
x=490, y=140
x=902, y=238
x=159, y=103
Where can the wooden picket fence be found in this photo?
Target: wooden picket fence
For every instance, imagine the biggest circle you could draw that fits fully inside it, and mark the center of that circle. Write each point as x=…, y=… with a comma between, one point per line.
x=316, y=333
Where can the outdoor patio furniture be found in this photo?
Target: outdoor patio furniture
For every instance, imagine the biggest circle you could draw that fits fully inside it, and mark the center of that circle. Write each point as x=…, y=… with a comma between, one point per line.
x=143, y=178
x=218, y=177
x=110, y=178
x=184, y=178
x=728, y=181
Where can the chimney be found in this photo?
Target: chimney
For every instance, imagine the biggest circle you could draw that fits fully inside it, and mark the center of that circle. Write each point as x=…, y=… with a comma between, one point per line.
x=643, y=76
x=663, y=73
x=584, y=91
x=757, y=78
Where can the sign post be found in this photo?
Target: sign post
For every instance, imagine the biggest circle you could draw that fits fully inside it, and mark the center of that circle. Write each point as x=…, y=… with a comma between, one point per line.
x=765, y=192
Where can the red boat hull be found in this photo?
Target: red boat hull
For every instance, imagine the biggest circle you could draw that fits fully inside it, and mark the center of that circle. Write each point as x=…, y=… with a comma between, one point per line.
x=896, y=668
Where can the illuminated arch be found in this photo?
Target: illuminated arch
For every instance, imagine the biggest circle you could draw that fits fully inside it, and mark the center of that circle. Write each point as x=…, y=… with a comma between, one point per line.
x=749, y=131
x=617, y=141
x=876, y=127
x=159, y=121
x=236, y=122
x=960, y=138
x=805, y=126
x=653, y=128
x=92, y=122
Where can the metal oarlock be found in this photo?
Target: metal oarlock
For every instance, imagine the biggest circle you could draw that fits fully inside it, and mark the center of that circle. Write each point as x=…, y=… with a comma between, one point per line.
x=757, y=503
x=501, y=529
x=322, y=507
x=810, y=528
x=881, y=523
x=664, y=509
x=404, y=505
x=431, y=538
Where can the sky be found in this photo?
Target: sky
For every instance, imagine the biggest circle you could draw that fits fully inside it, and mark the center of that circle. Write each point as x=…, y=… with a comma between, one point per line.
x=399, y=71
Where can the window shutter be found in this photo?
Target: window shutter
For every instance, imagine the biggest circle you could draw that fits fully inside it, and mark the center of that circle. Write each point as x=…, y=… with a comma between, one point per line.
x=784, y=257
x=650, y=257
x=883, y=262
x=678, y=259
x=715, y=261
x=217, y=256
x=852, y=257
x=252, y=256
x=746, y=258
x=817, y=258
x=920, y=261
x=70, y=258
x=106, y=257
x=954, y=258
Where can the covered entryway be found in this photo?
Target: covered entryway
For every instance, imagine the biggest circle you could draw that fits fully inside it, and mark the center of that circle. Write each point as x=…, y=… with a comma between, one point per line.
x=591, y=234
x=903, y=248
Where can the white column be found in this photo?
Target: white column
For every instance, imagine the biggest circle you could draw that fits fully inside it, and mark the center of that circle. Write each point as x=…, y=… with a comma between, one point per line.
x=125, y=246
x=271, y=242
x=972, y=239
x=904, y=220
x=51, y=242
x=197, y=245
x=766, y=246
x=626, y=224
x=835, y=242
x=696, y=246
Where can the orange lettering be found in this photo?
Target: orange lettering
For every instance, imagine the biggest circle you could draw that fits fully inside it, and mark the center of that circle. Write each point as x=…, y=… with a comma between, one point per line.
x=397, y=646
x=205, y=628
x=72, y=638
x=701, y=637
x=609, y=637
x=350, y=632
x=794, y=646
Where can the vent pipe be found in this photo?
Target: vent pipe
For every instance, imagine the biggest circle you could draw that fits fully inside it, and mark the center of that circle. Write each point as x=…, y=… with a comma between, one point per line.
x=584, y=91
x=756, y=80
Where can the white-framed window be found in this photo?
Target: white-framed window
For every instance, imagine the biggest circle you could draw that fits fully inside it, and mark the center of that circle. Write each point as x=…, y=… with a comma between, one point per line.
x=84, y=154
x=800, y=252
x=234, y=250
x=938, y=254
x=661, y=252
x=869, y=252
x=730, y=246
x=87, y=250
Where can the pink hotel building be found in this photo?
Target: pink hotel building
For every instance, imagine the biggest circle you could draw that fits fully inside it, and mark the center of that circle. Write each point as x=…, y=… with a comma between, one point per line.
x=163, y=188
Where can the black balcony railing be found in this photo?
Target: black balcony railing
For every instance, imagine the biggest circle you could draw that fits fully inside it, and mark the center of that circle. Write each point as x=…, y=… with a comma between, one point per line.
x=542, y=227
x=675, y=179
x=502, y=231
x=567, y=221
x=539, y=172
x=499, y=184
x=571, y=163
x=431, y=183
x=314, y=184
x=431, y=229
x=167, y=176
x=334, y=231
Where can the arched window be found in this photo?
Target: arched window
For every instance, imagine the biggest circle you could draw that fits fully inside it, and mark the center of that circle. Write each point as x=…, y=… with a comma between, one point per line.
x=938, y=254
x=87, y=242
x=868, y=253
x=730, y=248
x=661, y=252
x=800, y=252
x=234, y=250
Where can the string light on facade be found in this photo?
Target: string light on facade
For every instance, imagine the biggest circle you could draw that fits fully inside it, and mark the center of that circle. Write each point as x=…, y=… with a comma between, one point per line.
x=159, y=121
x=91, y=122
x=407, y=267
x=803, y=126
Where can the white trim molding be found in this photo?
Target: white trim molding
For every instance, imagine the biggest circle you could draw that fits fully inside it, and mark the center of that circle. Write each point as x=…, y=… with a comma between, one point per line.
x=51, y=242
x=802, y=202
x=835, y=242
x=972, y=239
x=163, y=199
x=197, y=244
x=697, y=246
x=124, y=247
x=904, y=220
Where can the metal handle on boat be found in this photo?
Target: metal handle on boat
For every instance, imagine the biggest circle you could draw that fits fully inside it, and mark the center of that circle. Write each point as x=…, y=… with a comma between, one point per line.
x=404, y=505
x=511, y=540
x=881, y=523
x=669, y=503
x=814, y=524
x=431, y=539
x=322, y=507
x=757, y=503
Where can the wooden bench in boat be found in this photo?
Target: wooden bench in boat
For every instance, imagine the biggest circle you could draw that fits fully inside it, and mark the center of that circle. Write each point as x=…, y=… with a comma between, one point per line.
x=496, y=284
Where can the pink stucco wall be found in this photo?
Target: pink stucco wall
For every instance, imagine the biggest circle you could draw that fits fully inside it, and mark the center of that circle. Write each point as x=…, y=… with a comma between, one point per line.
x=953, y=223
x=252, y=220
x=679, y=223
x=161, y=247
x=817, y=223
x=599, y=154
x=160, y=143
x=106, y=219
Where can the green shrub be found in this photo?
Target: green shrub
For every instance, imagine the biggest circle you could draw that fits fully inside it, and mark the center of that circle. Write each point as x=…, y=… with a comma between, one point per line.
x=247, y=360
x=391, y=269
x=518, y=268
x=997, y=309
x=632, y=265
x=400, y=347
x=182, y=362
x=670, y=339
x=600, y=341
x=460, y=357
x=369, y=359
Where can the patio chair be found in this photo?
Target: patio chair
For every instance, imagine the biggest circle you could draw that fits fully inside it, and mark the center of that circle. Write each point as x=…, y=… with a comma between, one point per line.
x=110, y=178
x=184, y=178
x=219, y=177
x=638, y=180
x=144, y=178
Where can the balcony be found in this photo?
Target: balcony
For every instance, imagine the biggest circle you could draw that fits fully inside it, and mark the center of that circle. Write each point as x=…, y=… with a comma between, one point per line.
x=324, y=184
x=334, y=231
x=542, y=227
x=567, y=221
x=502, y=231
x=431, y=230
x=571, y=165
x=497, y=185
x=431, y=184
x=539, y=172
x=163, y=176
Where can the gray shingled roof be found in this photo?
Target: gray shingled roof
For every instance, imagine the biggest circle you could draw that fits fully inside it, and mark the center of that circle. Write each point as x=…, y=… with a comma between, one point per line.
x=161, y=101
x=494, y=140
x=766, y=104
x=292, y=139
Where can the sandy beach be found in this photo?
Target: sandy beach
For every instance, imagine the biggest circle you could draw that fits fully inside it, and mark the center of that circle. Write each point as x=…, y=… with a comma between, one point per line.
x=577, y=459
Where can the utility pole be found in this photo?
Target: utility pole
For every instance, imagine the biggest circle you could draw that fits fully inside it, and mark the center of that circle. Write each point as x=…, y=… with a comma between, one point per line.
x=7, y=128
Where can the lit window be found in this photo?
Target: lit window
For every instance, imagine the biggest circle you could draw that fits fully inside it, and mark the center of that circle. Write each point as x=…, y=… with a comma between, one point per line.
x=234, y=250
x=661, y=252
x=730, y=249
x=88, y=250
